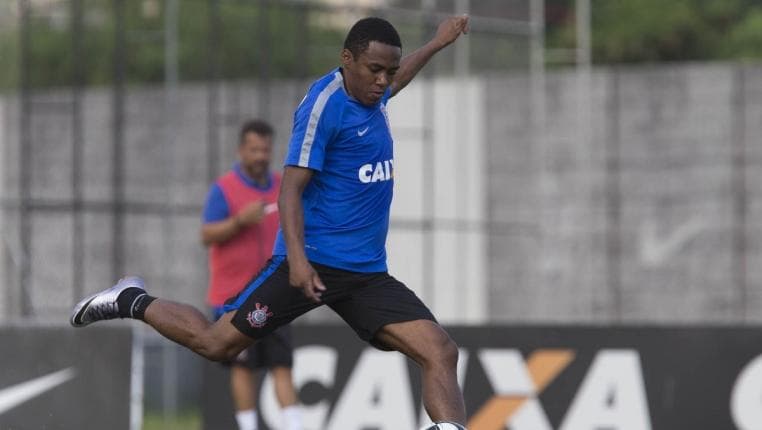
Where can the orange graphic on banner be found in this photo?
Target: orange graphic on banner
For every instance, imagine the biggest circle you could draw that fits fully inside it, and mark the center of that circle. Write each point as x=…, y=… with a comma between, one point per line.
x=543, y=366
x=494, y=414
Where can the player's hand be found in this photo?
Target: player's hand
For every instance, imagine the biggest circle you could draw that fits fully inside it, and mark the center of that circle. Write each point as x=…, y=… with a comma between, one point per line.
x=252, y=213
x=302, y=275
x=451, y=28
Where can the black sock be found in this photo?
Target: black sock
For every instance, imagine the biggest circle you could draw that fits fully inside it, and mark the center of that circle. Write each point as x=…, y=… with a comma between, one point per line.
x=133, y=302
x=140, y=305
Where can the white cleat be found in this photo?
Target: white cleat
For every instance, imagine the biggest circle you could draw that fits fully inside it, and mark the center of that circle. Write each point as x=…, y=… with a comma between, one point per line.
x=103, y=305
x=444, y=425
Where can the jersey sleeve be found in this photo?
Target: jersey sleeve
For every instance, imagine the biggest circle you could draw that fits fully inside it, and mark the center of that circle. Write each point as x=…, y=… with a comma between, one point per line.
x=316, y=123
x=216, y=207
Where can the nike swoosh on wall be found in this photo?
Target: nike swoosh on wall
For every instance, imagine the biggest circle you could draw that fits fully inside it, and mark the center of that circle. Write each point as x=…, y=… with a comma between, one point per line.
x=13, y=396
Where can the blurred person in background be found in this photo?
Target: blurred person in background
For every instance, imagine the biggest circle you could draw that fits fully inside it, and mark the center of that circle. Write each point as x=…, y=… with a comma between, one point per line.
x=240, y=224
x=334, y=206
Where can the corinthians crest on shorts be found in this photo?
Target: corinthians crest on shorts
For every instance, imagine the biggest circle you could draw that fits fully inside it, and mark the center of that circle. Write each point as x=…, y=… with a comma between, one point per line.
x=258, y=317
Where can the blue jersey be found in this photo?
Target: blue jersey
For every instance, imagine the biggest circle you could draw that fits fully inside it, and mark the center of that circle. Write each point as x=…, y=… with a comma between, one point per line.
x=346, y=203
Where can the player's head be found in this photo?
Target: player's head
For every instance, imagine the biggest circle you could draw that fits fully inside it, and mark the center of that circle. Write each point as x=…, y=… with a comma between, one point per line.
x=370, y=58
x=255, y=148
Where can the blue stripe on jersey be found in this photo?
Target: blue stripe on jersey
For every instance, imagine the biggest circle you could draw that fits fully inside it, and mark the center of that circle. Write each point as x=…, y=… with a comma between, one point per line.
x=271, y=267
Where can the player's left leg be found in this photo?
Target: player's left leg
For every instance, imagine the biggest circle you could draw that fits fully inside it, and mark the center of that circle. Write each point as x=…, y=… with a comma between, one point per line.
x=427, y=343
x=388, y=315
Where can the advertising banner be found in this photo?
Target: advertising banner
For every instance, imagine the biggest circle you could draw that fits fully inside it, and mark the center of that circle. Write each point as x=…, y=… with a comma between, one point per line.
x=527, y=378
x=59, y=378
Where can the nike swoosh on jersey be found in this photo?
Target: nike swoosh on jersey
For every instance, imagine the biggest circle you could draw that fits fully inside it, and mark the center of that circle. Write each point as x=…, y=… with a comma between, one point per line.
x=362, y=132
x=13, y=396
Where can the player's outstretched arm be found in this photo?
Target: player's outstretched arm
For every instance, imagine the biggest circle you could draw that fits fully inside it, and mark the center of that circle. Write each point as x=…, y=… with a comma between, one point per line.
x=448, y=31
x=301, y=273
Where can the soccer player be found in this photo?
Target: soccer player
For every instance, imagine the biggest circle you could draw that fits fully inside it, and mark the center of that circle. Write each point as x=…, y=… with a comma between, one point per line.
x=334, y=205
x=240, y=223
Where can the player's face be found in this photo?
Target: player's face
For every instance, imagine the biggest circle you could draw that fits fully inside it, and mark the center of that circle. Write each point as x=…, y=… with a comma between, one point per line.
x=255, y=152
x=369, y=74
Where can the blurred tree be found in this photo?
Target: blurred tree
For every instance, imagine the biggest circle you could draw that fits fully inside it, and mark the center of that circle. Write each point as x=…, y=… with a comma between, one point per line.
x=646, y=30
x=291, y=33
x=296, y=39
x=9, y=58
x=626, y=31
x=744, y=41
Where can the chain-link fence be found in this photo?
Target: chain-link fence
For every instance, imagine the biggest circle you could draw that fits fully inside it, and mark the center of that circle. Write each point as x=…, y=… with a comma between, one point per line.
x=519, y=184
x=116, y=116
x=125, y=112
x=575, y=196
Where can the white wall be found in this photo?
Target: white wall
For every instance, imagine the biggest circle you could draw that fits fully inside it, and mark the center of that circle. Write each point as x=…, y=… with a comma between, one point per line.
x=454, y=160
x=3, y=142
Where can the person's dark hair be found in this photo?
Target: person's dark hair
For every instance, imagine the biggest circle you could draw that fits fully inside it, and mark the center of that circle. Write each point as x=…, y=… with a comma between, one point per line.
x=368, y=30
x=256, y=126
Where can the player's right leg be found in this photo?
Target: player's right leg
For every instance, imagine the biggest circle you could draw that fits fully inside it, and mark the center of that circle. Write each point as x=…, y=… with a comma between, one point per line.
x=181, y=323
x=267, y=303
x=186, y=325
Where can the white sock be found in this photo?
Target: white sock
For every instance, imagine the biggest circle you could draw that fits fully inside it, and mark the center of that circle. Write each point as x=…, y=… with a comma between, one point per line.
x=247, y=420
x=292, y=417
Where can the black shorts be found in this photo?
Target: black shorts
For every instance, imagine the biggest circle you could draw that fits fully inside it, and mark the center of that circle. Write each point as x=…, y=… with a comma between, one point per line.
x=275, y=350
x=366, y=301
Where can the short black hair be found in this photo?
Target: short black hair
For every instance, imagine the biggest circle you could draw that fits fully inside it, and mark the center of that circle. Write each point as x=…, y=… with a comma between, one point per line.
x=368, y=30
x=256, y=126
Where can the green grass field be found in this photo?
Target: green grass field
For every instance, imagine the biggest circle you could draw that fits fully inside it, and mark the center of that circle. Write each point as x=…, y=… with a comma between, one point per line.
x=186, y=420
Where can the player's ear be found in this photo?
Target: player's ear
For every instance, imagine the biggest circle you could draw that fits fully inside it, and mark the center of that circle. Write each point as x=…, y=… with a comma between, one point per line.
x=346, y=57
